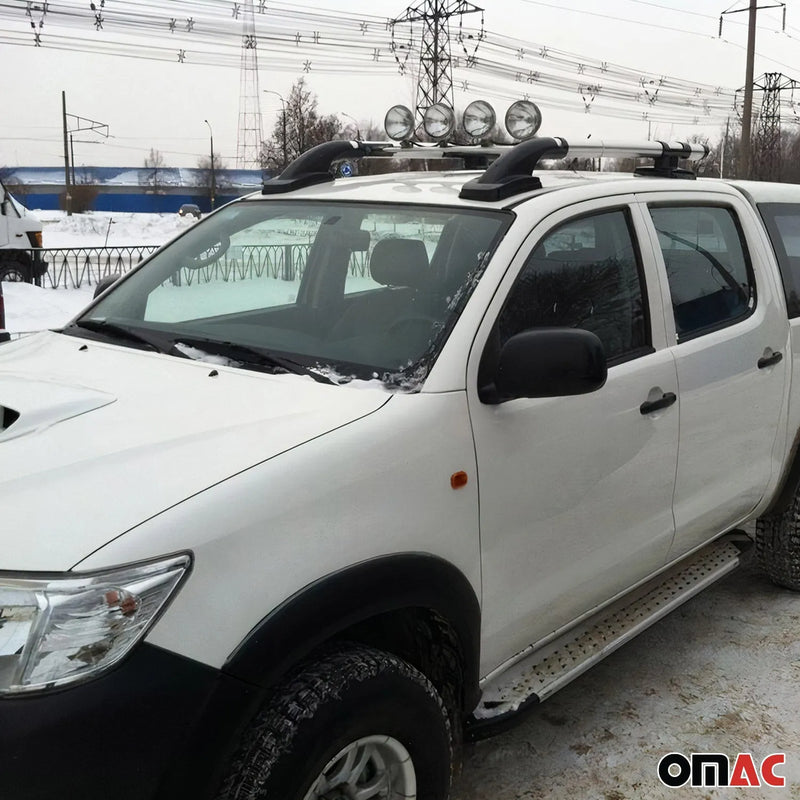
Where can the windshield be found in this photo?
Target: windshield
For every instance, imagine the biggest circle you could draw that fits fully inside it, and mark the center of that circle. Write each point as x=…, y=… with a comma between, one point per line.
x=341, y=289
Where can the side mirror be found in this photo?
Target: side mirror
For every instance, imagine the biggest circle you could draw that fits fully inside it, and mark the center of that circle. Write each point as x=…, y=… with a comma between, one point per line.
x=105, y=283
x=548, y=362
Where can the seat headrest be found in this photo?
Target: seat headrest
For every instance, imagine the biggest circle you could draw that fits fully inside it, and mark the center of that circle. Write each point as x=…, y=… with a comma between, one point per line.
x=400, y=262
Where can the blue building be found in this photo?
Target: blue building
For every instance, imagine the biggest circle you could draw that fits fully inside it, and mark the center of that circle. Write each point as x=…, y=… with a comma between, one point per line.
x=134, y=188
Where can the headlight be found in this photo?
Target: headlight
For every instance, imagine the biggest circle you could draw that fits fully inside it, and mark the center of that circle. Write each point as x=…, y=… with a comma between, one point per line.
x=71, y=627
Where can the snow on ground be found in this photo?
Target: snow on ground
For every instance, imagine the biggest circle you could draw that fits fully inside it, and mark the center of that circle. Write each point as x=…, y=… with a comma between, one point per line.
x=99, y=228
x=30, y=308
x=719, y=675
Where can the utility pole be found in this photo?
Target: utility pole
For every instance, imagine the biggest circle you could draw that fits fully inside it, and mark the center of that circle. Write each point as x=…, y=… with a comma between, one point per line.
x=80, y=124
x=747, y=113
x=213, y=173
x=747, y=116
x=67, y=188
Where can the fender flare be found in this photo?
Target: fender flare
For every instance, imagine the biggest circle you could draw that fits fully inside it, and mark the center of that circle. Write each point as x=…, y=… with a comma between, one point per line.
x=788, y=484
x=342, y=599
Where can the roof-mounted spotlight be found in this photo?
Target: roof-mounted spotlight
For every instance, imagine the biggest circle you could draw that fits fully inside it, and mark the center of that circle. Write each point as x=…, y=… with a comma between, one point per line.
x=523, y=119
x=439, y=121
x=479, y=119
x=399, y=123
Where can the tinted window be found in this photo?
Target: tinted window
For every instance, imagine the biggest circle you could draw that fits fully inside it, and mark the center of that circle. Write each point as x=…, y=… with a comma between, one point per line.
x=708, y=267
x=783, y=224
x=584, y=274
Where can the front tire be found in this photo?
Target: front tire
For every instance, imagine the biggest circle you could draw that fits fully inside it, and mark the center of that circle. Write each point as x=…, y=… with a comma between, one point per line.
x=13, y=272
x=778, y=545
x=357, y=722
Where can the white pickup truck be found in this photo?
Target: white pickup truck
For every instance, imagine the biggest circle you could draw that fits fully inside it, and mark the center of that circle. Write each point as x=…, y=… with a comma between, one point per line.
x=353, y=468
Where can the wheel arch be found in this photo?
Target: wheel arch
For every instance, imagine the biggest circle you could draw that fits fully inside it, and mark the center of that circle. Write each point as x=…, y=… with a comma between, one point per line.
x=789, y=482
x=375, y=602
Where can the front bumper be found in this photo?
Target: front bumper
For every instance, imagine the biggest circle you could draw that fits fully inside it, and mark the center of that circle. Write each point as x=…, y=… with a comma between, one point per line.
x=159, y=726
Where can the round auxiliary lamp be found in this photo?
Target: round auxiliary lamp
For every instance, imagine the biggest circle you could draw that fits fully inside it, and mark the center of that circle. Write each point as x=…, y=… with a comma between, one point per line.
x=399, y=123
x=522, y=121
x=479, y=119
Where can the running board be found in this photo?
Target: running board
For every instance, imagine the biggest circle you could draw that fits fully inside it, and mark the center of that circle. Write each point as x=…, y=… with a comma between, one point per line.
x=544, y=670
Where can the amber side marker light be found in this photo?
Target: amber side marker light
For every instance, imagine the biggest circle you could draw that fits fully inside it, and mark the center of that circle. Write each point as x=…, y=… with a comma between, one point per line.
x=458, y=480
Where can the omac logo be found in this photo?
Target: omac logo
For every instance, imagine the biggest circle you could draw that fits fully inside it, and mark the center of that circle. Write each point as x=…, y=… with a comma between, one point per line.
x=715, y=769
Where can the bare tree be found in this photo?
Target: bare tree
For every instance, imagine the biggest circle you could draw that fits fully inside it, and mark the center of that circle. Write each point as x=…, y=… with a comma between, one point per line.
x=298, y=128
x=211, y=177
x=154, y=164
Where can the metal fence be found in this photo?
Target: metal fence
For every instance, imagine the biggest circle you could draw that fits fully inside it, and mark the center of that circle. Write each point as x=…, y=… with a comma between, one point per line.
x=74, y=267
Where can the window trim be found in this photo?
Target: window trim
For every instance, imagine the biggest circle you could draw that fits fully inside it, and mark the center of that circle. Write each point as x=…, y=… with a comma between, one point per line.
x=680, y=338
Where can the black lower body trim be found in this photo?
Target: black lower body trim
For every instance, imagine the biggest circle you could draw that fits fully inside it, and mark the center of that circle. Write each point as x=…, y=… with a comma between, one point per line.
x=128, y=735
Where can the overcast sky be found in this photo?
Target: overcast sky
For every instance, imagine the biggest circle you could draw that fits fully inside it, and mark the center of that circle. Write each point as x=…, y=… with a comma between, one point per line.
x=163, y=104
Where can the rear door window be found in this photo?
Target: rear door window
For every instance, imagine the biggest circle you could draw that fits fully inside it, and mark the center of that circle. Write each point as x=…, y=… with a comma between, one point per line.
x=783, y=225
x=708, y=267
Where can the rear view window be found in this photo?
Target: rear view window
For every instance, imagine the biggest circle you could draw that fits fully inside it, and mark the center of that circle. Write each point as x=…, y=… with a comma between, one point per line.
x=783, y=225
x=708, y=267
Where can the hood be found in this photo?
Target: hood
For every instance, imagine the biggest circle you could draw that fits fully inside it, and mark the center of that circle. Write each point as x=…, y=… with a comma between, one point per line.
x=96, y=438
x=30, y=222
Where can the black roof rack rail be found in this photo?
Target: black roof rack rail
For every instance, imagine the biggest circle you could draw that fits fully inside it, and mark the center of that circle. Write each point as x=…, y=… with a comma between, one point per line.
x=313, y=166
x=508, y=175
x=511, y=173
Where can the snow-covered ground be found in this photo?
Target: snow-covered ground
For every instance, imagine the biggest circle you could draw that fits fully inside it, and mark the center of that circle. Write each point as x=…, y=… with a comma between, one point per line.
x=30, y=308
x=719, y=675
x=100, y=228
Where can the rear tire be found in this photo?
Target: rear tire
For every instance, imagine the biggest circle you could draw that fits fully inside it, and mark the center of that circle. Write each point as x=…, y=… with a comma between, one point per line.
x=358, y=718
x=778, y=545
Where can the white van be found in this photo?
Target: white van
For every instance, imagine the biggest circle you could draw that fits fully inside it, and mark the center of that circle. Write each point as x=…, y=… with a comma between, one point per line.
x=20, y=232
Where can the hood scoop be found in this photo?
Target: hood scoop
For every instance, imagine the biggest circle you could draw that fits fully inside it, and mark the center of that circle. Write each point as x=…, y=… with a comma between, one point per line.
x=7, y=418
x=28, y=405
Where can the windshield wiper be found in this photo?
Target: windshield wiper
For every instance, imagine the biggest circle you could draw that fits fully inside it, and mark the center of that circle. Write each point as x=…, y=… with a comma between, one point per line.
x=249, y=356
x=113, y=330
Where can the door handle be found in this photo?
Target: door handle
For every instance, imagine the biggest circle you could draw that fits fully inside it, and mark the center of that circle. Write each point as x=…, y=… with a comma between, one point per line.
x=666, y=400
x=768, y=361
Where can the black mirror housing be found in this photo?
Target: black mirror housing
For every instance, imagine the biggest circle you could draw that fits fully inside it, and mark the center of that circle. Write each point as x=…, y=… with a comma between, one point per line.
x=105, y=283
x=549, y=362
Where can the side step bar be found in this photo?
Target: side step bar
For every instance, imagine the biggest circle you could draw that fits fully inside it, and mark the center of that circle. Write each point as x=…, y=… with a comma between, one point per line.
x=546, y=669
